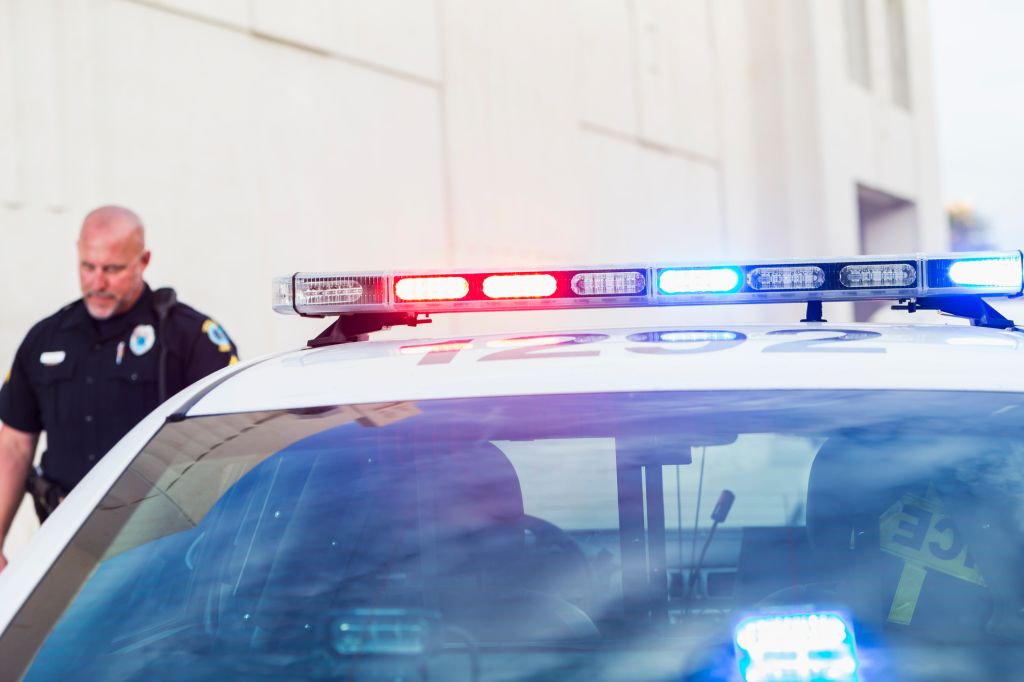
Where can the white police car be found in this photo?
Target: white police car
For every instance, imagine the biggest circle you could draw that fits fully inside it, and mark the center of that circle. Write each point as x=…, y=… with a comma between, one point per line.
x=800, y=502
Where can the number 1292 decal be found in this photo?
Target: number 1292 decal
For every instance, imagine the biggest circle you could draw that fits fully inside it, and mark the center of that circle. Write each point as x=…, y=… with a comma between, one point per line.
x=668, y=342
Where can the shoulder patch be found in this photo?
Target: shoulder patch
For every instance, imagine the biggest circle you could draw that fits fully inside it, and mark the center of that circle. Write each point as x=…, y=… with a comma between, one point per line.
x=217, y=336
x=7, y=377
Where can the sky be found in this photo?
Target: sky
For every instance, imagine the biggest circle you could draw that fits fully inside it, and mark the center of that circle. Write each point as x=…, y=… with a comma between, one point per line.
x=978, y=56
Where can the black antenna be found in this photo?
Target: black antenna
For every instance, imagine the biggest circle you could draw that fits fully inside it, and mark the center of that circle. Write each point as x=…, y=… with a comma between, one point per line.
x=718, y=515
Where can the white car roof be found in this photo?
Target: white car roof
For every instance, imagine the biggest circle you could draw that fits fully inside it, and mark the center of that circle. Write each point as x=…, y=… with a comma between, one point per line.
x=799, y=356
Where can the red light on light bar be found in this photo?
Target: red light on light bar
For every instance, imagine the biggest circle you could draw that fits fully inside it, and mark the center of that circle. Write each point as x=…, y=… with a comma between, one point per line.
x=520, y=286
x=431, y=288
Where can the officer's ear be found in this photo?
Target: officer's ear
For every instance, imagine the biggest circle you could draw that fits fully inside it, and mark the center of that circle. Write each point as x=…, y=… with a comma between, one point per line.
x=144, y=258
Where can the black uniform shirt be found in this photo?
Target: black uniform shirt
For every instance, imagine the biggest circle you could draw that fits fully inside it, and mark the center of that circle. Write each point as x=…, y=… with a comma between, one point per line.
x=87, y=382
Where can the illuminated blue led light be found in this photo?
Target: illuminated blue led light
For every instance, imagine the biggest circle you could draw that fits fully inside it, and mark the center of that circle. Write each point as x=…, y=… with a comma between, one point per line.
x=803, y=647
x=986, y=272
x=713, y=280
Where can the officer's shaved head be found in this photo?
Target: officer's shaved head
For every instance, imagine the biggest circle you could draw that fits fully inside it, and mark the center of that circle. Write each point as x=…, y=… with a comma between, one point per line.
x=114, y=223
x=112, y=256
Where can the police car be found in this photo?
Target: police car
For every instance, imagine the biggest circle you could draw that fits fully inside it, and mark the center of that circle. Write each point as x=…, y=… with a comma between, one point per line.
x=808, y=501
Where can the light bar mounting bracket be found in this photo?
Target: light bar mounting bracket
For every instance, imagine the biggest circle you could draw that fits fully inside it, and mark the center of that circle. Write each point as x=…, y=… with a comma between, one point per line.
x=974, y=308
x=814, y=312
x=357, y=326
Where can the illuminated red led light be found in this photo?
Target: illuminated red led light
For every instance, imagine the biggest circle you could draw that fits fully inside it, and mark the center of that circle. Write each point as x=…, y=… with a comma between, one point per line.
x=519, y=286
x=431, y=288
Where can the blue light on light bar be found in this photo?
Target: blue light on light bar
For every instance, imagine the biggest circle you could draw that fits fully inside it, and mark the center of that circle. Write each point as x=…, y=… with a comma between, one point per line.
x=713, y=280
x=986, y=272
x=801, y=647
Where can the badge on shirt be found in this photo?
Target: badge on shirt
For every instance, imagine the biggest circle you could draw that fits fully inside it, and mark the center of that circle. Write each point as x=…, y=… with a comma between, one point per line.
x=52, y=358
x=143, y=338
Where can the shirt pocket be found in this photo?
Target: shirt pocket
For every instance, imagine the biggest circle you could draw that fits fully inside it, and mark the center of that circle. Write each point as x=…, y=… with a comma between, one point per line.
x=54, y=384
x=132, y=390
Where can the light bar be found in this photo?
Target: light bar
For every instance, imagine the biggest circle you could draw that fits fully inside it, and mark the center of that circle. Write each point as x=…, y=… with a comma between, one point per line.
x=902, y=277
x=797, y=647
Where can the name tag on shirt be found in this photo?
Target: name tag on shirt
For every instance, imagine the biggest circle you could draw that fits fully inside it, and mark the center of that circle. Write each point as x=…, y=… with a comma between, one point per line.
x=52, y=358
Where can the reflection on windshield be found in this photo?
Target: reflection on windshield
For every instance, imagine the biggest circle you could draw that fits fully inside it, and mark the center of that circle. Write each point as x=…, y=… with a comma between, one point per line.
x=607, y=537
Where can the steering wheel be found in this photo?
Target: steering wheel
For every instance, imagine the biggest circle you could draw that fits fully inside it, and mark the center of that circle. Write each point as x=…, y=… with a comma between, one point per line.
x=561, y=562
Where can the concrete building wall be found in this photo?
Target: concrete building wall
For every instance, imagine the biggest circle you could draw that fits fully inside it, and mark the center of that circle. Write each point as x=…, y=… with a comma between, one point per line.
x=260, y=137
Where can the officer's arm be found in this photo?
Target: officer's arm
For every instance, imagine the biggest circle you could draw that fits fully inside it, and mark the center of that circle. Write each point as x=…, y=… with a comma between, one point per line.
x=16, y=451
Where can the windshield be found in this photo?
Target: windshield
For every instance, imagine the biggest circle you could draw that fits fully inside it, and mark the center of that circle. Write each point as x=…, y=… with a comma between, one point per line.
x=592, y=537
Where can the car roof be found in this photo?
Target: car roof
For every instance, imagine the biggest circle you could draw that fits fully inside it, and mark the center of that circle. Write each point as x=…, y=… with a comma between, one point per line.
x=722, y=357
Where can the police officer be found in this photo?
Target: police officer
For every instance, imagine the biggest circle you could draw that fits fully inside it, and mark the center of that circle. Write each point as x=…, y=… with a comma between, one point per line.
x=89, y=373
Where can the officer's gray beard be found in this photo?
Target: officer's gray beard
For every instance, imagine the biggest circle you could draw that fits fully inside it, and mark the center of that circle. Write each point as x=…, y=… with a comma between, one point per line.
x=113, y=311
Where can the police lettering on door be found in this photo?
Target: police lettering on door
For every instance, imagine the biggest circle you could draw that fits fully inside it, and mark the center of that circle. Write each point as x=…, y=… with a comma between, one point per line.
x=917, y=530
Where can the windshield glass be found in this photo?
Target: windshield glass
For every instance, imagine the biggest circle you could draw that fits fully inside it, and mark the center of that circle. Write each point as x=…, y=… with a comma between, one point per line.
x=592, y=537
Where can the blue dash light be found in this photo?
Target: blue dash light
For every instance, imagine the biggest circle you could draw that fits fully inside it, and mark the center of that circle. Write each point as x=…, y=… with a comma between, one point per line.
x=710, y=280
x=388, y=632
x=800, y=647
x=986, y=272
